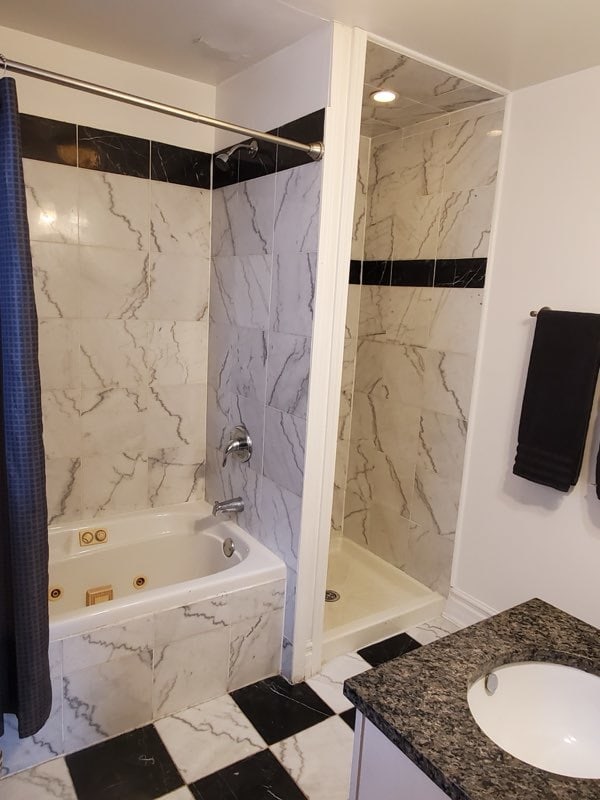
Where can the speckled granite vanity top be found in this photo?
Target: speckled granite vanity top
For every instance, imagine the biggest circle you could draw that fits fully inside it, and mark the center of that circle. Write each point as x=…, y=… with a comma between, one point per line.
x=419, y=701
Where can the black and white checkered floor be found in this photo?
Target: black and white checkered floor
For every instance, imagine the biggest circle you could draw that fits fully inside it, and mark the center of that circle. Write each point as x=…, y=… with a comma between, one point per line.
x=269, y=740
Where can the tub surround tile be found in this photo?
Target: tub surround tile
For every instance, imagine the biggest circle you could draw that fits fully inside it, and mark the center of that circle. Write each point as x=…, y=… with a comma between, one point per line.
x=329, y=683
x=113, y=210
x=191, y=620
x=288, y=373
x=205, y=739
x=298, y=754
x=297, y=201
x=62, y=430
x=64, y=489
x=293, y=293
x=173, y=415
x=279, y=710
x=116, y=482
x=179, y=219
x=112, y=421
x=115, y=283
x=112, y=643
x=240, y=288
x=419, y=272
x=113, y=152
x=252, y=603
x=56, y=280
x=177, y=288
x=255, y=649
x=176, y=352
x=179, y=165
x=113, y=353
x=135, y=764
x=58, y=342
x=254, y=778
x=51, y=781
x=279, y=514
x=284, y=449
x=455, y=320
x=176, y=475
x=376, y=273
x=49, y=140
x=51, y=191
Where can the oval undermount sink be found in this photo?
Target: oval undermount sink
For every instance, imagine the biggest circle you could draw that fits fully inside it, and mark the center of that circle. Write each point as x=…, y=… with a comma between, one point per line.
x=547, y=715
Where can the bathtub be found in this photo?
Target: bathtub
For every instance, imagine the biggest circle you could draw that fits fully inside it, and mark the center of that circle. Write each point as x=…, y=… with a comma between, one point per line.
x=152, y=560
x=198, y=625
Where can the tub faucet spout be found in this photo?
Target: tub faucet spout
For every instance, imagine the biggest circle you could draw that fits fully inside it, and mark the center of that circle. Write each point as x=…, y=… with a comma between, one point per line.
x=233, y=506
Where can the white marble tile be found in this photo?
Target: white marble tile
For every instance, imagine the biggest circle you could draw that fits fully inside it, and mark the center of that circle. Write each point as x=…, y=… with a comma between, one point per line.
x=180, y=219
x=113, y=353
x=112, y=421
x=465, y=223
x=218, y=406
x=177, y=288
x=435, y=502
x=297, y=204
x=59, y=354
x=245, y=482
x=288, y=370
x=385, y=425
x=205, y=739
x=400, y=314
x=51, y=191
x=464, y=97
x=360, y=199
x=177, y=352
x=184, y=622
x=415, y=227
x=405, y=166
x=240, y=290
x=249, y=412
x=302, y=756
x=385, y=478
x=257, y=600
x=280, y=513
x=441, y=444
x=447, y=382
x=400, y=113
x=293, y=292
x=429, y=558
x=64, y=489
x=62, y=429
x=223, y=200
x=105, y=700
x=455, y=320
x=285, y=437
x=116, y=482
x=477, y=110
x=51, y=781
x=255, y=649
x=190, y=671
x=175, y=416
x=222, y=356
x=175, y=475
x=391, y=371
x=472, y=156
x=373, y=128
x=111, y=643
x=56, y=280
x=113, y=210
x=387, y=534
x=251, y=216
x=431, y=631
x=247, y=375
x=353, y=304
x=114, y=283
x=329, y=683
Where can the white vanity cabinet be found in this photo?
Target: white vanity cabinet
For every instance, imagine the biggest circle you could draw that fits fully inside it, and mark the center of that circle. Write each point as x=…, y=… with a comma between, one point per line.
x=380, y=771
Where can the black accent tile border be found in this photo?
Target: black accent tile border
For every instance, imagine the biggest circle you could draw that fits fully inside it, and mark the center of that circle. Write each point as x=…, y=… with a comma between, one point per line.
x=113, y=152
x=272, y=158
x=49, y=140
x=355, y=270
x=173, y=164
x=457, y=273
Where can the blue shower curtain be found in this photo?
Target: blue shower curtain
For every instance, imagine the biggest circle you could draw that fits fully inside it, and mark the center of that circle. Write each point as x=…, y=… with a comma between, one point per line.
x=24, y=672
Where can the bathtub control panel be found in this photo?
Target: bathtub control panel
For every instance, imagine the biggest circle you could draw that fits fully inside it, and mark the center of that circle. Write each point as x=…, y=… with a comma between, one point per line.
x=93, y=536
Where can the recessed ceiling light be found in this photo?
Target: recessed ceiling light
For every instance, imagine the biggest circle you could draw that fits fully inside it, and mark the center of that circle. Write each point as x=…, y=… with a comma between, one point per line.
x=384, y=96
x=495, y=132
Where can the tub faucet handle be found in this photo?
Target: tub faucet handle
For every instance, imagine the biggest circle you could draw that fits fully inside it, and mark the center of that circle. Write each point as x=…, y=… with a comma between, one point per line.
x=240, y=444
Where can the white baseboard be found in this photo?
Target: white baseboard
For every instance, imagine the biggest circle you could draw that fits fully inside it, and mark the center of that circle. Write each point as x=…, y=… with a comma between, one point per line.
x=463, y=609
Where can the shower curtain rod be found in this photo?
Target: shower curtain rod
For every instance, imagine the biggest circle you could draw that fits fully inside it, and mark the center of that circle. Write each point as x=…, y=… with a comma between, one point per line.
x=314, y=149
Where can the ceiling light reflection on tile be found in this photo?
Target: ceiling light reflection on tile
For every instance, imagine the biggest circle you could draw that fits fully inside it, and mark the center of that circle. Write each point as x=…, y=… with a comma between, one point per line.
x=384, y=96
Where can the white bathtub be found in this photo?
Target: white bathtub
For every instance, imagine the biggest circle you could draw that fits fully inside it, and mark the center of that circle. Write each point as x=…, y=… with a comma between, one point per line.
x=177, y=549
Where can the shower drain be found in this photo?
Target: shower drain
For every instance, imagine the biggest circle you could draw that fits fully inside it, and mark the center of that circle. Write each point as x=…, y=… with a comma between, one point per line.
x=331, y=596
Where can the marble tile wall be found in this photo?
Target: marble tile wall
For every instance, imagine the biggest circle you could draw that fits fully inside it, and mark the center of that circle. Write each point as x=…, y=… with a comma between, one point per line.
x=264, y=256
x=120, y=677
x=429, y=207
x=121, y=270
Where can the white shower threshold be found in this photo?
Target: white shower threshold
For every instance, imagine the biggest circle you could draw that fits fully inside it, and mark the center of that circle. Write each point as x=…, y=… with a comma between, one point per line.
x=376, y=599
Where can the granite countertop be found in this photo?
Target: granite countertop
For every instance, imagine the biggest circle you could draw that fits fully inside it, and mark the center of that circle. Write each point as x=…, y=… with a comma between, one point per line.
x=419, y=701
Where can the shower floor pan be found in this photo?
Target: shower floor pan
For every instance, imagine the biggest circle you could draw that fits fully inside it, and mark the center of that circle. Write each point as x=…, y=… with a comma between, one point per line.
x=376, y=599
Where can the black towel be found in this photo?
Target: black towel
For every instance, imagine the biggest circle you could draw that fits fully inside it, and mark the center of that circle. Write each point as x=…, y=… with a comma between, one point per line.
x=558, y=398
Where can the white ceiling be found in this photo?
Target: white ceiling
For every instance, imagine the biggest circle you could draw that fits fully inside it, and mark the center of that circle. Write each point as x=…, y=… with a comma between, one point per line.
x=509, y=43
x=206, y=40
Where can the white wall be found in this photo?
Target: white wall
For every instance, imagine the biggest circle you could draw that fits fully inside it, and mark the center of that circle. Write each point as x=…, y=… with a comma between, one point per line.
x=47, y=100
x=516, y=539
x=285, y=86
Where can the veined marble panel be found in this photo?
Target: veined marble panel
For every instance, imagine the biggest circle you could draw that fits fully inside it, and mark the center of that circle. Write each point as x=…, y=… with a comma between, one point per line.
x=248, y=353
x=59, y=354
x=293, y=292
x=376, y=477
x=243, y=218
x=360, y=199
x=115, y=482
x=112, y=421
x=288, y=370
x=441, y=444
x=297, y=202
x=177, y=352
x=285, y=437
x=255, y=649
x=401, y=314
x=114, y=642
x=249, y=412
x=175, y=416
x=388, y=534
x=180, y=219
x=113, y=210
x=177, y=624
x=113, y=353
x=465, y=223
x=56, y=280
x=240, y=290
x=406, y=166
x=64, y=489
x=447, y=383
x=472, y=155
x=62, y=428
x=51, y=781
x=434, y=503
x=430, y=558
x=456, y=314
x=51, y=191
x=177, y=288
x=223, y=200
x=385, y=425
x=114, y=283
x=391, y=371
x=280, y=514
x=176, y=475
x=217, y=413
x=329, y=683
x=248, y=604
x=415, y=227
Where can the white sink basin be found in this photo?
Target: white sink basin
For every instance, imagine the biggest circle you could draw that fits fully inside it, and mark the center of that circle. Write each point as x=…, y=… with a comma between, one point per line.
x=547, y=715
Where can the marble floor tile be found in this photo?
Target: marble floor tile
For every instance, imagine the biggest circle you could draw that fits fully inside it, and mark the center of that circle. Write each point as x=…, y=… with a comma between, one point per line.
x=379, y=653
x=50, y=781
x=433, y=630
x=205, y=739
x=179, y=794
x=329, y=683
x=135, y=764
x=301, y=756
x=278, y=709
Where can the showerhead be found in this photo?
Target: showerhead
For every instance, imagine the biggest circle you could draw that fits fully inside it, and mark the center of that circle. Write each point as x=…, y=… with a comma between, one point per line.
x=222, y=159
